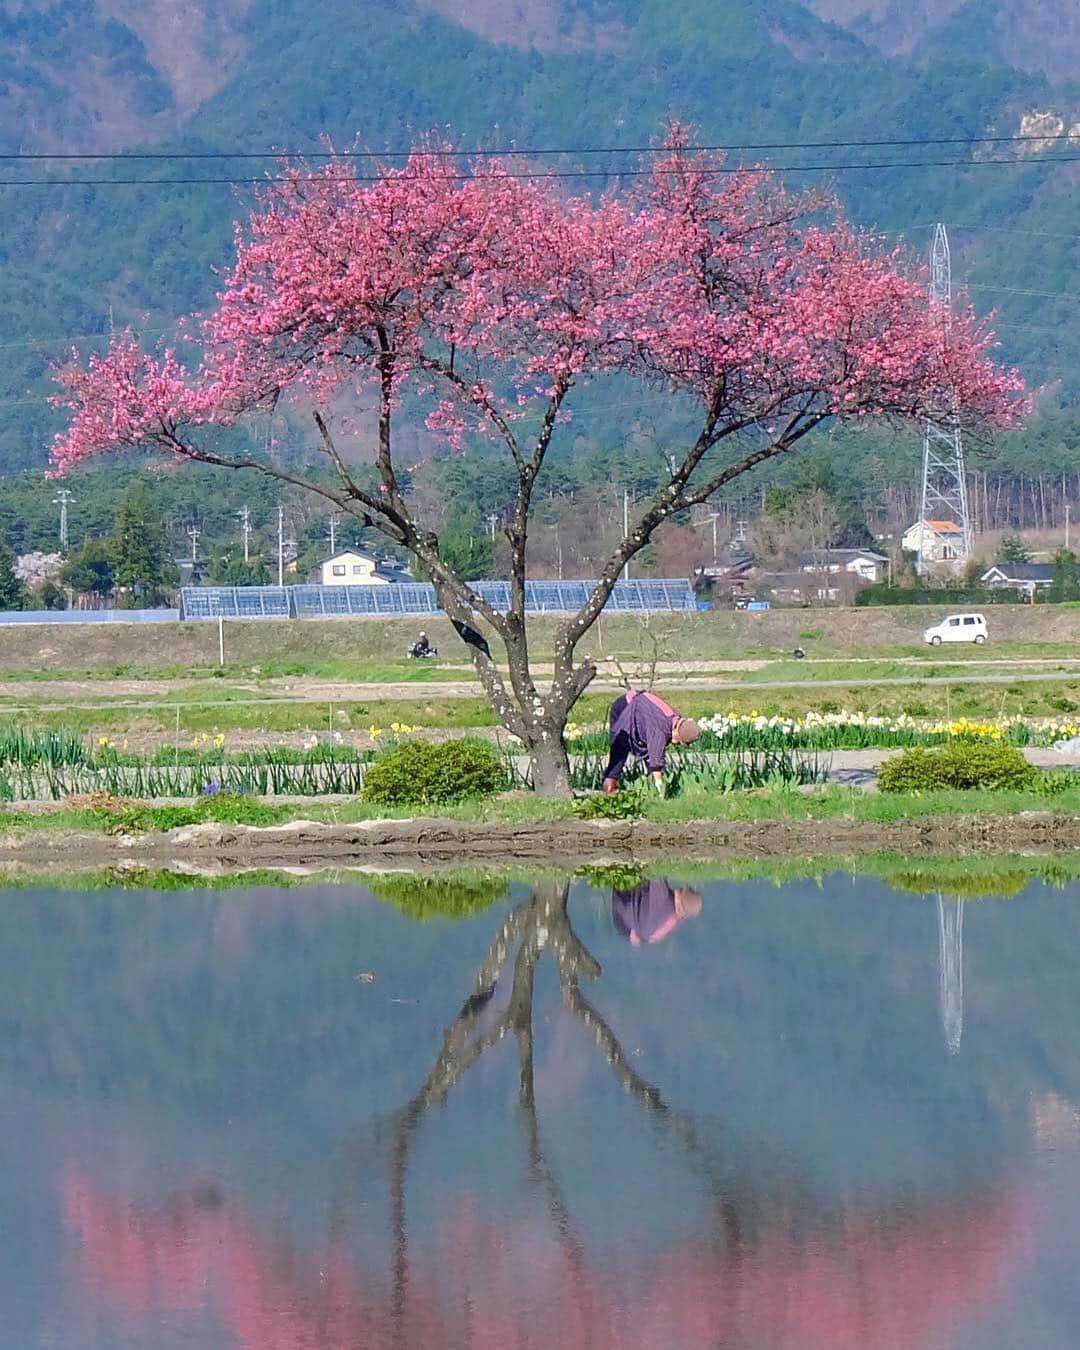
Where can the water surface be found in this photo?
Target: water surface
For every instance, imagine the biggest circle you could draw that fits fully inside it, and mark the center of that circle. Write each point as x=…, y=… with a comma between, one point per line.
x=834, y=1115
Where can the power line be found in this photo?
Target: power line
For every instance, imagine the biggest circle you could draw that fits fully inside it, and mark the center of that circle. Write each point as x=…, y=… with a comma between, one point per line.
x=70, y=338
x=1007, y=229
x=1020, y=290
x=996, y=229
x=546, y=174
x=514, y=151
x=73, y=337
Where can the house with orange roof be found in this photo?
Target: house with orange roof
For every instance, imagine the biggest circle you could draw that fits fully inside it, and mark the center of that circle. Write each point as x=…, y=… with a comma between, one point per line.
x=939, y=540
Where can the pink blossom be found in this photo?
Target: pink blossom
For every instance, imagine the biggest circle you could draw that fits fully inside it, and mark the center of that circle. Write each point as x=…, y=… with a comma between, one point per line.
x=484, y=298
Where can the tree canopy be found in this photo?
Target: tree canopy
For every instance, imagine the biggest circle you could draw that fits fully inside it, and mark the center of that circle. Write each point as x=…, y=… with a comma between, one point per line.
x=488, y=300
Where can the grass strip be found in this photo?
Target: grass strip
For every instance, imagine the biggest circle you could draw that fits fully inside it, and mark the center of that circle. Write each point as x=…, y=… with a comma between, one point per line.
x=828, y=804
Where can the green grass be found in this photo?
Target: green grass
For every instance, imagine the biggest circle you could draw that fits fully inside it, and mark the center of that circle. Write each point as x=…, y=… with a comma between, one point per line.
x=224, y=808
x=145, y=717
x=375, y=648
x=453, y=892
x=828, y=804
x=268, y=718
x=212, y=680
x=967, y=877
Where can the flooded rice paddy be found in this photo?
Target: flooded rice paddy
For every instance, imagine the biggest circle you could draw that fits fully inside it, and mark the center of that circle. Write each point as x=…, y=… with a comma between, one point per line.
x=605, y=1111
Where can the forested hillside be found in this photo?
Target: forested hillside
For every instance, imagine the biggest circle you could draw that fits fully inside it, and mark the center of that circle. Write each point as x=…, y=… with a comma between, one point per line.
x=135, y=241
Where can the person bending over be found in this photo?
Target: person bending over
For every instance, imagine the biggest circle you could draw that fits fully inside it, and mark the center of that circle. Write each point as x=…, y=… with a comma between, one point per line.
x=643, y=725
x=646, y=914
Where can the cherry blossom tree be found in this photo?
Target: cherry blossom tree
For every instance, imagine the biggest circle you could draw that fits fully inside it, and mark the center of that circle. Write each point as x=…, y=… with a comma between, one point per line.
x=488, y=301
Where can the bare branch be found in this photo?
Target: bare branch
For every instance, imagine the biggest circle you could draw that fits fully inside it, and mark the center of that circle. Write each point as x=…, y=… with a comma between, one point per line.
x=794, y=432
x=346, y=502
x=335, y=458
x=447, y=371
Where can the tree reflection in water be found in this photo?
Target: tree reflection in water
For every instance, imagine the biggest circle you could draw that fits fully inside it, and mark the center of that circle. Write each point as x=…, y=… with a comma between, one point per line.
x=772, y=1265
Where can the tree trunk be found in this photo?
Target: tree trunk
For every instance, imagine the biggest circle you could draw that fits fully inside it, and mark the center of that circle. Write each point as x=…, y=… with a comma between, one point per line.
x=550, y=762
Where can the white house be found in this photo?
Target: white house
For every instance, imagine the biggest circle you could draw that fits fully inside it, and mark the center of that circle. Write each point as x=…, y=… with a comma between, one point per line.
x=350, y=568
x=1019, y=576
x=940, y=540
x=859, y=562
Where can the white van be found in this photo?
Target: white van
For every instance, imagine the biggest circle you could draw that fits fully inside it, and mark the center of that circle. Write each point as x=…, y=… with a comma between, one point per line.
x=957, y=628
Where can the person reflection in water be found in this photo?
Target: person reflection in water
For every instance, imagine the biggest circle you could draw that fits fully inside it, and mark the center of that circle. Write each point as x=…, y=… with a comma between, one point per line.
x=649, y=912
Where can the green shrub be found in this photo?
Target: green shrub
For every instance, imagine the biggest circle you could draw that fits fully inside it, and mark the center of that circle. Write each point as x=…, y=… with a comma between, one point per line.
x=613, y=876
x=418, y=772
x=224, y=807
x=453, y=895
x=1053, y=782
x=625, y=805
x=1002, y=882
x=961, y=764
x=915, y=709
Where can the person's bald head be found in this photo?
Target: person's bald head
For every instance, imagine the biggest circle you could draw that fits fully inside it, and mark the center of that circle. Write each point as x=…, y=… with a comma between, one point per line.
x=687, y=902
x=686, y=731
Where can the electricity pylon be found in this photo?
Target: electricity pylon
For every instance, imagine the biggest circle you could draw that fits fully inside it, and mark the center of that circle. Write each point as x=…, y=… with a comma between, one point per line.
x=950, y=914
x=944, y=488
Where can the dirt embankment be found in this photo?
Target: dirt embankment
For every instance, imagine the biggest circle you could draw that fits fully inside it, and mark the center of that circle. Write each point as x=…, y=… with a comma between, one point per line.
x=400, y=844
x=715, y=634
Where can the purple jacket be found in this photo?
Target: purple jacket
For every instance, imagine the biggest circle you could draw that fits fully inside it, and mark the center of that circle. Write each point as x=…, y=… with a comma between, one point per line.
x=641, y=725
x=645, y=914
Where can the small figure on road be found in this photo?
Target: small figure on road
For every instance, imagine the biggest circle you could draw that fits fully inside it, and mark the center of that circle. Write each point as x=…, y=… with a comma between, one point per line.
x=643, y=725
x=422, y=647
x=647, y=913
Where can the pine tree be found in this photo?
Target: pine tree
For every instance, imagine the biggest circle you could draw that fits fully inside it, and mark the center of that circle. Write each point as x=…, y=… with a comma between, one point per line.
x=90, y=571
x=466, y=545
x=13, y=594
x=1065, y=584
x=142, y=567
x=1013, y=550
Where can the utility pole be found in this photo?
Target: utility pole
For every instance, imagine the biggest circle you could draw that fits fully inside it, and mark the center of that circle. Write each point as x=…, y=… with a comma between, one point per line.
x=626, y=528
x=1068, y=508
x=493, y=520
x=64, y=496
x=711, y=520
x=281, y=546
x=245, y=530
x=193, y=533
x=333, y=533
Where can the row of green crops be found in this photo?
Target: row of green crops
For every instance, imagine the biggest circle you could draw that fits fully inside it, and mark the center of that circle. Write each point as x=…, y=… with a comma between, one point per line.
x=278, y=773
x=698, y=771
x=26, y=748
x=278, y=776
x=190, y=757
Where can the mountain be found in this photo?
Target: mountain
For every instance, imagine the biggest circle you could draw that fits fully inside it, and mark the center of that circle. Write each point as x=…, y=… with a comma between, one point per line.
x=190, y=76
x=106, y=74
x=1032, y=35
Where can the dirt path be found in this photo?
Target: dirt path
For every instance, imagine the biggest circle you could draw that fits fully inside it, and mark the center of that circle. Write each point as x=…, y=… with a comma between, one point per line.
x=55, y=696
